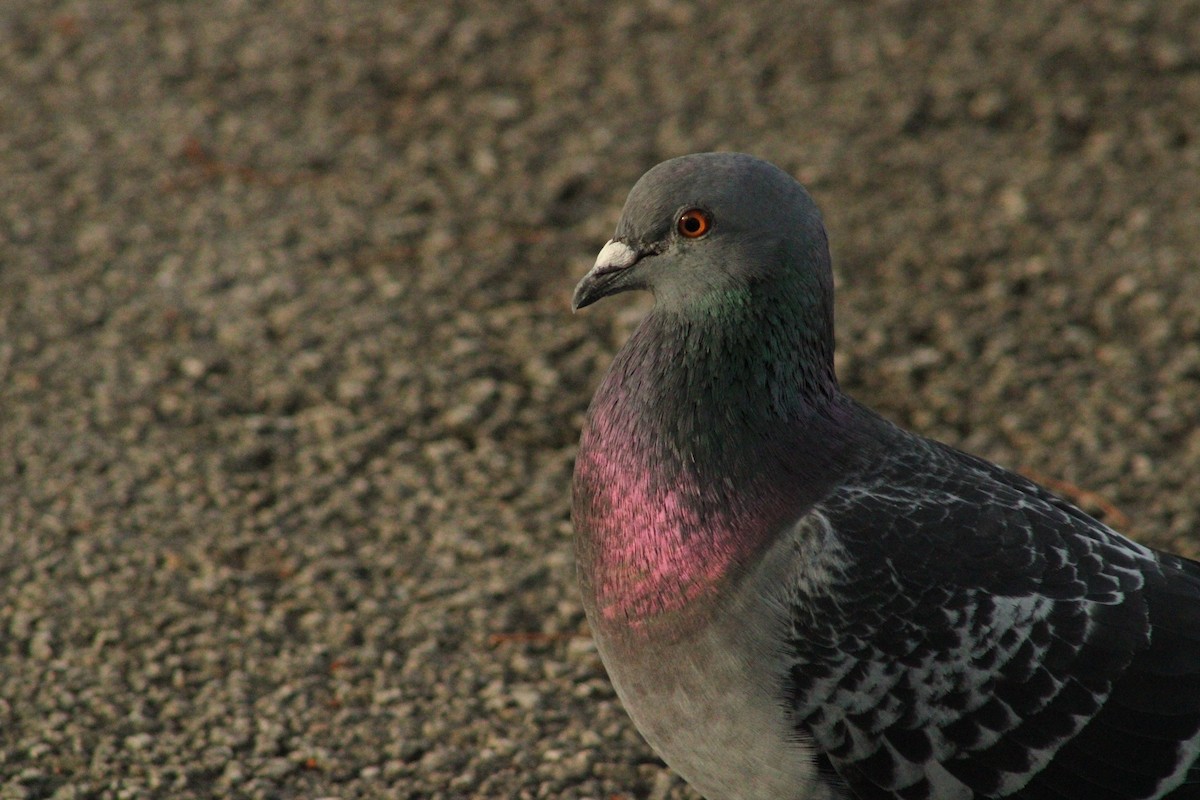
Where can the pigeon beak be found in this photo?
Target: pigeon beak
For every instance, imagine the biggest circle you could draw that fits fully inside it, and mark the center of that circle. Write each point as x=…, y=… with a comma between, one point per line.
x=606, y=276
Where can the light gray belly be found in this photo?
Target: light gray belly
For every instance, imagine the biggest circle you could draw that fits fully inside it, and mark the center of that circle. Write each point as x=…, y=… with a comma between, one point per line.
x=712, y=704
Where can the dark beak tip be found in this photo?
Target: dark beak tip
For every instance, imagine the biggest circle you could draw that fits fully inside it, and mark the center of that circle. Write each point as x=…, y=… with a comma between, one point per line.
x=589, y=290
x=580, y=300
x=607, y=276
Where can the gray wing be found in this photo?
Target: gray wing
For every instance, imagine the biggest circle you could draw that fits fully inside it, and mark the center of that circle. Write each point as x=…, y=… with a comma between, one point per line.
x=971, y=636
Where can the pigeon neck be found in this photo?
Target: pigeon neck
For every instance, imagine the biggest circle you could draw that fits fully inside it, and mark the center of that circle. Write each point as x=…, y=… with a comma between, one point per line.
x=710, y=433
x=703, y=378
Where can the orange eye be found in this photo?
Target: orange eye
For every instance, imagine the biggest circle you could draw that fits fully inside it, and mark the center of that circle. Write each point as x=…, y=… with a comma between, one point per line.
x=694, y=223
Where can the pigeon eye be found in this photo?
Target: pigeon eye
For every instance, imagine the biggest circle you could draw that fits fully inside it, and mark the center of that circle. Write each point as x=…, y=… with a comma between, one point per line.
x=694, y=223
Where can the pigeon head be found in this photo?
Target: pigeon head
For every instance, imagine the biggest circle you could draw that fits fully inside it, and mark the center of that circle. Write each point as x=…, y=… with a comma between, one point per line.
x=705, y=230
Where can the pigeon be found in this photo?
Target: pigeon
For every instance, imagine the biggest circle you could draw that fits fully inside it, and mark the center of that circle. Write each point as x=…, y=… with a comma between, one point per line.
x=796, y=599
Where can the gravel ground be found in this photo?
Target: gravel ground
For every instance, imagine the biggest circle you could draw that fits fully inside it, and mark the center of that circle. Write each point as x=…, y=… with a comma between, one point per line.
x=290, y=388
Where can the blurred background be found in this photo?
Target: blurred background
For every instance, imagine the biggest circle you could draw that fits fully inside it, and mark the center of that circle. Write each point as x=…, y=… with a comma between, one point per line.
x=290, y=387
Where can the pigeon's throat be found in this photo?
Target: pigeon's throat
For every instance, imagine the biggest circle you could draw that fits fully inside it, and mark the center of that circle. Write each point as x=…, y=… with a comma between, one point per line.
x=704, y=439
x=660, y=547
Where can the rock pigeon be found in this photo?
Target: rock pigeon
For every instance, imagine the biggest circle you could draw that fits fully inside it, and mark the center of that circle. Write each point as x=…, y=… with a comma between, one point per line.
x=797, y=599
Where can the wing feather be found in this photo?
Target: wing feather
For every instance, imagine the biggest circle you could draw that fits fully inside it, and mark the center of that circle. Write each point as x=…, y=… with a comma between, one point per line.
x=977, y=637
